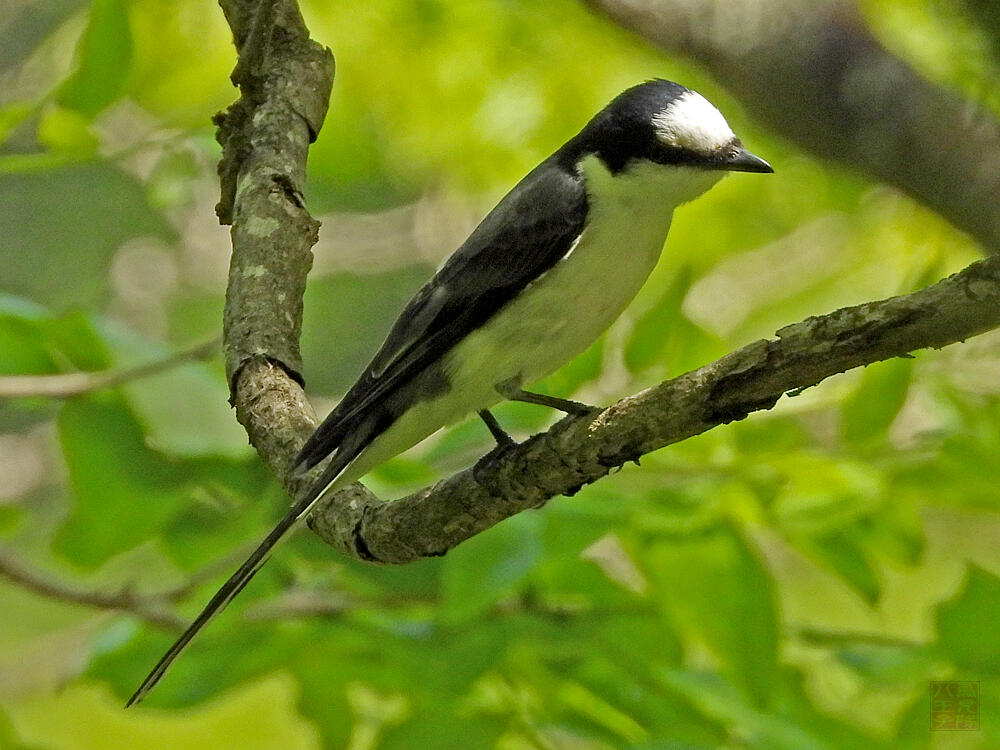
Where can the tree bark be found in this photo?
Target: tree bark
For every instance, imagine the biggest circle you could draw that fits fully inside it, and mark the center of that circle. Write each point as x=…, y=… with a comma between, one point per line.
x=285, y=81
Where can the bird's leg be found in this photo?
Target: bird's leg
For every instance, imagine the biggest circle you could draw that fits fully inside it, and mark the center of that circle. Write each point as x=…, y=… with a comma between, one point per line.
x=486, y=466
x=511, y=390
x=498, y=432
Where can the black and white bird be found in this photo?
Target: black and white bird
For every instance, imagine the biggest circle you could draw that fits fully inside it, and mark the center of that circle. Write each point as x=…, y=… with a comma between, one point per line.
x=543, y=275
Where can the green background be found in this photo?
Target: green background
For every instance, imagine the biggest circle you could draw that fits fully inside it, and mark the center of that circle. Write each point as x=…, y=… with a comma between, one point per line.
x=795, y=580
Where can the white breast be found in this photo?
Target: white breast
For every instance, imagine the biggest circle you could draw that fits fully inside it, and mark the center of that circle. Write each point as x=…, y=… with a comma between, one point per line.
x=565, y=310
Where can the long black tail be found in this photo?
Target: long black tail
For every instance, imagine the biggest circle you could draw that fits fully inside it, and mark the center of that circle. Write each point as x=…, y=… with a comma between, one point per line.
x=238, y=580
x=343, y=438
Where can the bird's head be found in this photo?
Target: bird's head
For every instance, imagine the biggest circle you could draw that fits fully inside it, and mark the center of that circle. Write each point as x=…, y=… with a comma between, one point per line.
x=663, y=123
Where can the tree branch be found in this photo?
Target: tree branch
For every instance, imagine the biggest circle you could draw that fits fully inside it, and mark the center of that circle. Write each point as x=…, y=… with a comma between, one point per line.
x=810, y=71
x=285, y=81
x=155, y=608
x=149, y=608
x=266, y=139
x=580, y=450
x=69, y=384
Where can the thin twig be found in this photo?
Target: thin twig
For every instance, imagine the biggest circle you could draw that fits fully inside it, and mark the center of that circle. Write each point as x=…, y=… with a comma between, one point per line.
x=302, y=603
x=69, y=384
x=842, y=638
x=206, y=573
x=151, y=608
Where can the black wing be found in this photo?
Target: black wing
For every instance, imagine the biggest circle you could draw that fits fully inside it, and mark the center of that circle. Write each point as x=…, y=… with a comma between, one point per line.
x=526, y=234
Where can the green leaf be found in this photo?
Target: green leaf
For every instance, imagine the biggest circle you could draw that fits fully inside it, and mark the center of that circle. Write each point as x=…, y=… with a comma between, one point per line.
x=36, y=343
x=63, y=228
x=104, y=58
x=184, y=411
x=12, y=115
x=967, y=625
x=124, y=491
x=664, y=335
x=9, y=737
x=74, y=341
x=840, y=730
x=489, y=567
x=896, y=532
x=258, y=715
x=870, y=411
x=618, y=659
x=565, y=381
x=722, y=599
x=845, y=553
x=714, y=698
x=888, y=664
x=346, y=319
x=580, y=700
x=67, y=131
x=10, y=517
x=23, y=352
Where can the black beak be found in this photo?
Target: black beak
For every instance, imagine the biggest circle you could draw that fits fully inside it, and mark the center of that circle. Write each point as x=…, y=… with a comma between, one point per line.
x=744, y=161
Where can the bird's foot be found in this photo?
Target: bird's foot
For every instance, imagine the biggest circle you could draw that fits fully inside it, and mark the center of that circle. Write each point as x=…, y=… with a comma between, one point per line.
x=512, y=390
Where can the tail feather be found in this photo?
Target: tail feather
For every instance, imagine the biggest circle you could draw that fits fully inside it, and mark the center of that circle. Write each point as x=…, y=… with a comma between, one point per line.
x=238, y=580
x=342, y=438
x=342, y=441
x=329, y=437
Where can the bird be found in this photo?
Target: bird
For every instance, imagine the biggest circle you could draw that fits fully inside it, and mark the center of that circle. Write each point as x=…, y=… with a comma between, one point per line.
x=544, y=274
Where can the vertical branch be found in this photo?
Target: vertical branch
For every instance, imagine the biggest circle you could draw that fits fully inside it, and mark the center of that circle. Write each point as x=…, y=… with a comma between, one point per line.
x=285, y=80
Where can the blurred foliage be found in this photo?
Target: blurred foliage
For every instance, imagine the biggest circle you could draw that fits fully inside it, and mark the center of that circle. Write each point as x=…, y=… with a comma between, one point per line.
x=791, y=581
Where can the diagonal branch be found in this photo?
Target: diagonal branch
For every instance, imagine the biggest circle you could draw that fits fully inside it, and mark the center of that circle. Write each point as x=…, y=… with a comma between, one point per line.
x=151, y=608
x=266, y=136
x=580, y=450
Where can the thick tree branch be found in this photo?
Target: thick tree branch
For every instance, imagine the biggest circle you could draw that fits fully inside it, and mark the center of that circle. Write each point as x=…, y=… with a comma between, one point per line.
x=811, y=72
x=580, y=450
x=266, y=136
x=285, y=81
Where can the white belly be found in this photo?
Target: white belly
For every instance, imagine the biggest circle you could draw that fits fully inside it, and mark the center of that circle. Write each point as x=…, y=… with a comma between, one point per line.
x=564, y=312
x=558, y=317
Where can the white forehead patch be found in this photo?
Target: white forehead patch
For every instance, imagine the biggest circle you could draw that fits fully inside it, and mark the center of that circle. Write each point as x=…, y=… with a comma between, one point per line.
x=691, y=122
